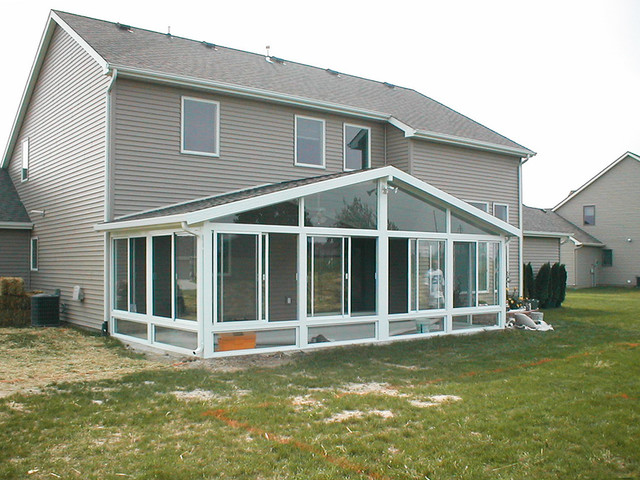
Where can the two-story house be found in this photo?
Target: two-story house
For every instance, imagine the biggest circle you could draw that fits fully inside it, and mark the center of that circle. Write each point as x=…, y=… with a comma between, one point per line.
x=211, y=200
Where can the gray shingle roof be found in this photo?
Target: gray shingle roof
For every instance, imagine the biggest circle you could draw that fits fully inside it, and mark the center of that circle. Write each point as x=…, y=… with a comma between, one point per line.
x=160, y=53
x=545, y=220
x=11, y=208
x=222, y=199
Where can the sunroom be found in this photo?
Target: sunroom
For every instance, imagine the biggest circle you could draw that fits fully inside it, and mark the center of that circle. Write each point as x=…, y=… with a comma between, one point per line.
x=357, y=257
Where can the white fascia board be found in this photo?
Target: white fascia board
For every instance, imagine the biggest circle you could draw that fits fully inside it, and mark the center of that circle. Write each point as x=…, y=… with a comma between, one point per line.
x=156, y=222
x=16, y=225
x=609, y=167
x=531, y=233
x=52, y=21
x=410, y=132
x=456, y=202
x=248, y=92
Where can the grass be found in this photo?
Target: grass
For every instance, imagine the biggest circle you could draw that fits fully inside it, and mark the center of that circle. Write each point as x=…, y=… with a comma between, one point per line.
x=514, y=404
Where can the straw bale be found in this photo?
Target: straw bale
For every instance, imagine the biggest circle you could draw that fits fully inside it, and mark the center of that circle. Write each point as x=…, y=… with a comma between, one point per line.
x=11, y=286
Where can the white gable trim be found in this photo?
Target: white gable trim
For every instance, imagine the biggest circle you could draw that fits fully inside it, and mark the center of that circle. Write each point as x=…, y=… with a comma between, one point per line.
x=52, y=21
x=16, y=225
x=530, y=233
x=200, y=216
x=577, y=192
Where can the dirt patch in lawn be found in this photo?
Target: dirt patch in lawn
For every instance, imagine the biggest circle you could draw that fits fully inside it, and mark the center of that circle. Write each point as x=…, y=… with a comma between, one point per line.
x=32, y=358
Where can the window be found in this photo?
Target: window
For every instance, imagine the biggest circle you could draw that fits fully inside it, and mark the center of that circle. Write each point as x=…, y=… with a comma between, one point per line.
x=25, y=160
x=130, y=260
x=607, y=257
x=354, y=206
x=589, y=215
x=476, y=268
x=34, y=253
x=501, y=211
x=309, y=149
x=200, y=126
x=484, y=206
x=357, y=145
x=411, y=213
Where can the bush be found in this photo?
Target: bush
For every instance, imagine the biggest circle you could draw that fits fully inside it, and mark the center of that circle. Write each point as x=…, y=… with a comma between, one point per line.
x=554, y=283
x=543, y=282
x=562, y=284
x=529, y=282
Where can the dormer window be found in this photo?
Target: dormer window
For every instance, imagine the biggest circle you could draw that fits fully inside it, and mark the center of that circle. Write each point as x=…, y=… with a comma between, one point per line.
x=310, y=148
x=200, y=127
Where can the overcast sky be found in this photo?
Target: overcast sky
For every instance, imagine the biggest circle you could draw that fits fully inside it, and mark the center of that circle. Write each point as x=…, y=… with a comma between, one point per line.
x=560, y=77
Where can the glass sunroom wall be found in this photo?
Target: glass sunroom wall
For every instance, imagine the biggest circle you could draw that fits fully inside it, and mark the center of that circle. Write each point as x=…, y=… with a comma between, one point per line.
x=238, y=277
x=409, y=212
x=464, y=274
x=488, y=273
x=354, y=206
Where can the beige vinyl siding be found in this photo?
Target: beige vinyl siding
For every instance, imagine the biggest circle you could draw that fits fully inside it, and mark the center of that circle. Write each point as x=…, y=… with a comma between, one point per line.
x=472, y=175
x=256, y=147
x=539, y=251
x=65, y=124
x=14, y=260
x=616, y=196
x=568, y=257
x=397, y=149
x=588, y=260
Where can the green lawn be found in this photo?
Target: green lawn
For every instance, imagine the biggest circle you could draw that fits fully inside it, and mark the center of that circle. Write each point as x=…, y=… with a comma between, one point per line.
x=515, y=405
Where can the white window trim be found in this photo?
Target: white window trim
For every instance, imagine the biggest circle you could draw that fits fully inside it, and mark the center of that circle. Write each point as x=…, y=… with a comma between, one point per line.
x=584, y=217
x=31, y=254
x=344, y=146
x=217, y=132
x=25, y=161
x=486, y=205
x=501, y=205
x=295, y=142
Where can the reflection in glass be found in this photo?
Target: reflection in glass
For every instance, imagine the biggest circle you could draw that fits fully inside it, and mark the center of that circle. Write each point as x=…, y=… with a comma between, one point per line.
x=341, y=333
x=237, y=276
x=464, y=274
x=138, y=275
x=411, y=213
x=225, y=342
x=356, y=147
x=416, y=326
x=309, y=141
x=285, y=213
x=177, y=338
x=186, y=277
x=132, y=329
x=354, y=206
x=325, y=275
x=120, y=272
x=488, y=273
x=161, y=249
x=459, y=225
x=478, y=320
x=283, y=271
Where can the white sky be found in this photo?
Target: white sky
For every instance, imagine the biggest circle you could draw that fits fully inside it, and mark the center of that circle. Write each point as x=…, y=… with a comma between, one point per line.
x=560, y=77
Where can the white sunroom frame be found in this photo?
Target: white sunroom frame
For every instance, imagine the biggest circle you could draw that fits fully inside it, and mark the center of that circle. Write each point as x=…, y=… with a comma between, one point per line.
x=199, y=223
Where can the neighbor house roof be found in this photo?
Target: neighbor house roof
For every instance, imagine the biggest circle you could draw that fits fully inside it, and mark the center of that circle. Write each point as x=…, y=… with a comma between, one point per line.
x=544, y=222
x=609, y=167
x=139, y=53
x=204, y=209
x=12, y=211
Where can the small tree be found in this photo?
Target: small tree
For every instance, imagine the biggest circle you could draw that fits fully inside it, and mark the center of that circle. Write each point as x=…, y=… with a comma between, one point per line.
x=562, y=284
x=529, y=282
x=554, y=285
x=542, y=284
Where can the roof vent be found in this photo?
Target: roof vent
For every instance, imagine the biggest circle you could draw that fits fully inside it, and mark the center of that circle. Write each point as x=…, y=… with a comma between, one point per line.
x=124, y=27
x=390, y=85
x=168, y=34
x=332, y=72
x=212, y=46
x=278, y=60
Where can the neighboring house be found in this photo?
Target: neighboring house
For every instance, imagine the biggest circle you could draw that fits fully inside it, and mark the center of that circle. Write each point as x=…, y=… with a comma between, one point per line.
x=608, y=207
x=206, y=199
x=548, y=237
x=15, y=233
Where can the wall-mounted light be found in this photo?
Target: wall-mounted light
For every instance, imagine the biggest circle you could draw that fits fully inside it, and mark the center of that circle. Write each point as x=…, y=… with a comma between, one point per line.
x=39, y=212
x=629, y=240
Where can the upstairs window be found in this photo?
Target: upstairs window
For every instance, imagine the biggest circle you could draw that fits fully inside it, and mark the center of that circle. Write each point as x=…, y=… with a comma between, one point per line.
x=484, y=206
x=25, y=160
x=589, y=215
x=357, y=145
x=200, y=127
x=309, y=148
x=607, y=257
x=501, y=211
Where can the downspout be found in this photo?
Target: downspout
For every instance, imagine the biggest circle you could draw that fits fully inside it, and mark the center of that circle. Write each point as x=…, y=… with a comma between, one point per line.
x=200, y=348
x=107, y=205
x=521, y=238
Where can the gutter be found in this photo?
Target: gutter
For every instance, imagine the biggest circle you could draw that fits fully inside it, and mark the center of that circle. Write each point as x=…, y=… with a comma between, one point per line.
x=17, y=225
x=532, y=233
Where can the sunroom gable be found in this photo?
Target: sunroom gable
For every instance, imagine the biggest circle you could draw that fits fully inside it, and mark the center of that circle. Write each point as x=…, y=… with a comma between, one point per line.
x=210, y=208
